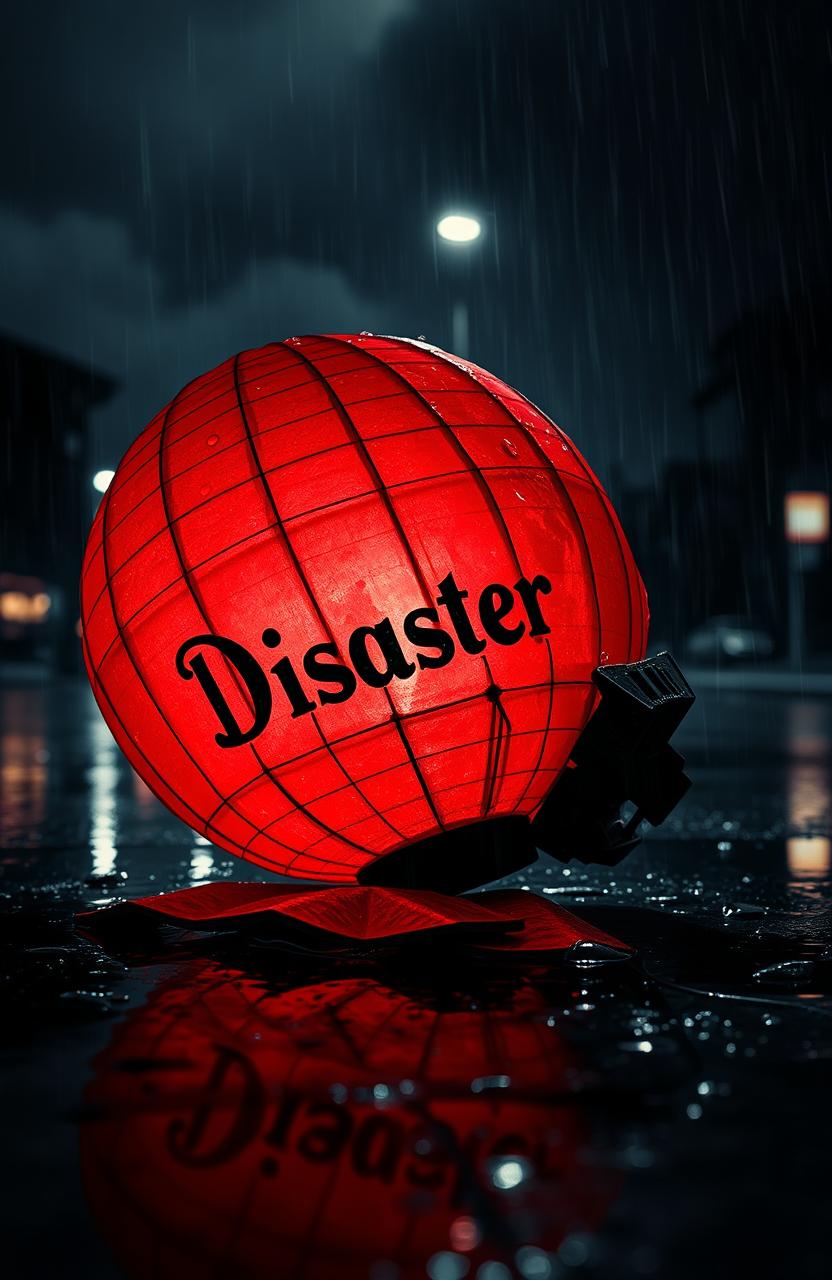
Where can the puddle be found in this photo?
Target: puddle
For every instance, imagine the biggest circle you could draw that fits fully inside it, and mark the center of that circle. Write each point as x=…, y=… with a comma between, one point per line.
x=214, y=1110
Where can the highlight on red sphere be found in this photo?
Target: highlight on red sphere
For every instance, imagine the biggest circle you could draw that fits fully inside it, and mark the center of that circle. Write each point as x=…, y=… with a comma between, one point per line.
x=345, y=593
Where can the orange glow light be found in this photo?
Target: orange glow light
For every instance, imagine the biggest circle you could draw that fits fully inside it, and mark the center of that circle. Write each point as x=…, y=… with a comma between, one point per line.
x=807, y=516
x=19, y=606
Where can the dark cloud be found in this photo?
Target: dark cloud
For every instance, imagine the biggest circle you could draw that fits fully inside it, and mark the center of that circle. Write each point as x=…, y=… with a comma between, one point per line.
x=78, y=285
x=643, y=170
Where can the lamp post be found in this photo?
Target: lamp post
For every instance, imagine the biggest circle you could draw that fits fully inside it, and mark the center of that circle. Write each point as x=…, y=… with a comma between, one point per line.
x=459, y=230
x=807, y=527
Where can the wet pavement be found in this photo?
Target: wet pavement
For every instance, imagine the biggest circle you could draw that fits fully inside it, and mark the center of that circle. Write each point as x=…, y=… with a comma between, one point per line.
x=218, y=1109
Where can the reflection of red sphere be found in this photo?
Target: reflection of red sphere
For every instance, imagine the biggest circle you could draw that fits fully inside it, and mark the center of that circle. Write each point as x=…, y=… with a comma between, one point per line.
x=313, y=1132
x=347, y=592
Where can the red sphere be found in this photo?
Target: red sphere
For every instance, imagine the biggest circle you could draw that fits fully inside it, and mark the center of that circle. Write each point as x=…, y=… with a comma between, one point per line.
x=347, y=592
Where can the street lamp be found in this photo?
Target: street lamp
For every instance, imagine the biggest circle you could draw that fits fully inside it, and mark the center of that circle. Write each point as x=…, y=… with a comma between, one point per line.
x=459, y=229
x=102, y=480
x=807, y=528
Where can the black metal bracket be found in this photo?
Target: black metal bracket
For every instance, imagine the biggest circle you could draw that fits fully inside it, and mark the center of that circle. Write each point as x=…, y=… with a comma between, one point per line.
x=622, y=755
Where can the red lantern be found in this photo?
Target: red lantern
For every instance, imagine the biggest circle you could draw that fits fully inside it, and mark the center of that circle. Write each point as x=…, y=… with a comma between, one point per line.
x=316, y=1131
x=347, y=593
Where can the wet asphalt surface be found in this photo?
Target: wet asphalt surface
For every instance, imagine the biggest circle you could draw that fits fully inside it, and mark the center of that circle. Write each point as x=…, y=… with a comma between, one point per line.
x=214, y=1108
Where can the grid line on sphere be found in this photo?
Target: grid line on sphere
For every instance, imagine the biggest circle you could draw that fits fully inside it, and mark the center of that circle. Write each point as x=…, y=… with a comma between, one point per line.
x=551, y=469
x=383, y=494
x=495, y=747
x=495, y=761
x=198, y=600
x=252, y=783
x=436, y=755
x=215, y=375
x=395, y=721
x=200, y=821
x=281, y=426
x=545, y=736
x=485, y=489
x=222, y=492
x=268, y=351
x=362, y=1051
x=547, y=462
x=618, y=546
x=427, y=1048
x=375, y=854
x=304, y=1247
x=459, y=447
x=195, y=465
x=329, y=837
x=301, y=515
x=127, y=647
x=179, y=579
x=239, y=1220
x=271, y=500
x=207, y=422
x=426, y=711
x=310, y=754
x=380, y=486
x=479, y=479
x=319, y=869
x=604, y=504
x=631, y=575
x=351, y=781
x=262, y=433
x=447, y=791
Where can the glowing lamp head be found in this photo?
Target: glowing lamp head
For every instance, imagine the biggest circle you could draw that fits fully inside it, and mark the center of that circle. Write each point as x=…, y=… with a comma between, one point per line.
x=807, y=517
x=459, y=228
x=345, y=594
x=102, y=480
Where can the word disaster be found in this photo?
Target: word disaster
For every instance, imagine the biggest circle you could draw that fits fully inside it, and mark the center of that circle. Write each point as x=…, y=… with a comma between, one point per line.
x=376, y=653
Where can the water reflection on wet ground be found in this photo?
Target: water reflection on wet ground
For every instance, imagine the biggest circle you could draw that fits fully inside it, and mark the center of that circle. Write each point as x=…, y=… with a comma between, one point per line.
x=224, y=1111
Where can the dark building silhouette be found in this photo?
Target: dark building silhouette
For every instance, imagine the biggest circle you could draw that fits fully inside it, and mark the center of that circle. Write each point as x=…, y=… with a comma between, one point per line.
x=776, y=362
x=710, y=538
x=775, y=365
x=44, y=403
x=688, y=539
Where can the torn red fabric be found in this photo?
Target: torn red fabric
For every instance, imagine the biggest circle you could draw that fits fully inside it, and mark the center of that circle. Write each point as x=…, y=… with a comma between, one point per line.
x=352, y=914
x=506, y=920
x=547, y=926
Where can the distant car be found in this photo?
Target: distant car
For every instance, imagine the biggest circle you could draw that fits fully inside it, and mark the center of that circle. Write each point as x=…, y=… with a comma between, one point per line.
x=730, y=639
x=27, y=617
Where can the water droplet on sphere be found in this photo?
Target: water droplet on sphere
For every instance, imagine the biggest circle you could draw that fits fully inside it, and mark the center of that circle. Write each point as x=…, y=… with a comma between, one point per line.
x=510, y=448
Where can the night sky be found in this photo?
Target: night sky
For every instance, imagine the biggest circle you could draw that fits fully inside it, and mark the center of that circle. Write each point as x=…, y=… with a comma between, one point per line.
x=180, y=181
